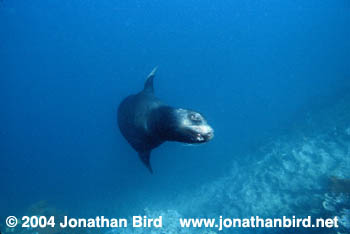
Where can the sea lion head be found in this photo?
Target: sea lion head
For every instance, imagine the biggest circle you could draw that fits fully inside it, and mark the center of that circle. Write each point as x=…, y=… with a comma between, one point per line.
x=191, y=127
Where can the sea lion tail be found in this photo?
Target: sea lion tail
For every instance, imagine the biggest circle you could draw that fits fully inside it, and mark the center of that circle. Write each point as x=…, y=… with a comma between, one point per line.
x=145, y=158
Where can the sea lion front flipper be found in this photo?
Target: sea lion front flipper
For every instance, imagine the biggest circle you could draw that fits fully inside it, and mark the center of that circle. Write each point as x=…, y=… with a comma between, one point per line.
x=149, y=81
x=145, y=158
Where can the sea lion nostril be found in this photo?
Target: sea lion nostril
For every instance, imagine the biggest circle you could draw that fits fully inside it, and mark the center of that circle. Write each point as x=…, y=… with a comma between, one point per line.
x=209, y=135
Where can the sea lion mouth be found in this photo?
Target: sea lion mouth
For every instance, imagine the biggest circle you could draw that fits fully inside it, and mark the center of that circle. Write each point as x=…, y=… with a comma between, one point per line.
x=203, y=138
x=201, y=133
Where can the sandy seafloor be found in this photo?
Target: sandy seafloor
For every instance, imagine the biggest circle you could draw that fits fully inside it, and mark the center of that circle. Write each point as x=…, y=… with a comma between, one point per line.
x=303, y=172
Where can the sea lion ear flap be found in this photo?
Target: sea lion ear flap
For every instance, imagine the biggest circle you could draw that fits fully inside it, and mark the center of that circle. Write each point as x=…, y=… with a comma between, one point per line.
x=145, y=158
x=149, y=82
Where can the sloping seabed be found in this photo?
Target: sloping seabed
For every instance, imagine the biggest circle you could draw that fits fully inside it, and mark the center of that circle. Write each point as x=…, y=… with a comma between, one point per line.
x=306, y=172
x=303, y=173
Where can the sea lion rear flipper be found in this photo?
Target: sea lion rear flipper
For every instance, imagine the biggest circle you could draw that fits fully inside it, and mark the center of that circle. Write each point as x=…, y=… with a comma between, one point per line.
x=149, y=82
x=145, y=158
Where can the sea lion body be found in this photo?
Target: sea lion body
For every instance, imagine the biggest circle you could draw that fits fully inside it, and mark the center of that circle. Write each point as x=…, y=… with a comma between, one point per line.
x=146, y=122
x=133, y=115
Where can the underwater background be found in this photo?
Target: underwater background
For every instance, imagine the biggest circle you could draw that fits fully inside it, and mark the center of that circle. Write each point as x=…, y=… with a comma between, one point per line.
x=272, y=78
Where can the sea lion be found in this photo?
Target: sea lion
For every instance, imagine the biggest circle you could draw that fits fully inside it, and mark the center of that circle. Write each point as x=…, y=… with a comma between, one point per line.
x=146, y=122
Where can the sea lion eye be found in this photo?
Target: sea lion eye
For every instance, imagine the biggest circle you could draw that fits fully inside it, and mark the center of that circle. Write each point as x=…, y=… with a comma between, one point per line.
x=195, y=118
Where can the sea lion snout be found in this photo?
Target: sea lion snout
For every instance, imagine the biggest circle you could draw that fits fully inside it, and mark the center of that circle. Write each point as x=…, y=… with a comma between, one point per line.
x=209, y=135
x=204, y=133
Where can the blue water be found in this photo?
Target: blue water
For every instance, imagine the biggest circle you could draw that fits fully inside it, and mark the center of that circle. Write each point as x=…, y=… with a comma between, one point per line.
x=256, y=69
